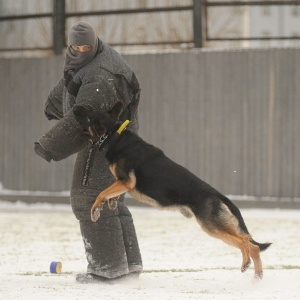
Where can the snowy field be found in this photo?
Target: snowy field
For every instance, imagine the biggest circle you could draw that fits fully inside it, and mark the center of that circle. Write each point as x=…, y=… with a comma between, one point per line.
x=180, y=261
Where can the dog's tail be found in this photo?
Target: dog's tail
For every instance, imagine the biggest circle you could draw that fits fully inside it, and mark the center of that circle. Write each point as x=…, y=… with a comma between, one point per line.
x=262, y=247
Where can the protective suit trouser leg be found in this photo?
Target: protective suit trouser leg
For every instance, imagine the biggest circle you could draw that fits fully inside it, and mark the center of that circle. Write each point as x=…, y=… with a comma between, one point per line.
x=134, y=258
x=111, y=244
x=104, y=247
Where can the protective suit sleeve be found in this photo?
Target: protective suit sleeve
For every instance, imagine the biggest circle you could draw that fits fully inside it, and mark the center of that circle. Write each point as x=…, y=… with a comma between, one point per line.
x=67, y=137
x=63, y=139
x=100, y=94
x=39, y=150
x=53, y=107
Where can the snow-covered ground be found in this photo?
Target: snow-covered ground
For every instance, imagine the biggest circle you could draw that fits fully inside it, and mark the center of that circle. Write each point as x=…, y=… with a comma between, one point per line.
x=180, y=261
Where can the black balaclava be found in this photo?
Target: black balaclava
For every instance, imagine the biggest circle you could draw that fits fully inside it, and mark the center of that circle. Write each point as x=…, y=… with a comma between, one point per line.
x=81, y=33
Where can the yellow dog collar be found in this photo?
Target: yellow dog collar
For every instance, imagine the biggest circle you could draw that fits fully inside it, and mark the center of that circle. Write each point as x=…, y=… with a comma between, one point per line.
x=123, y=127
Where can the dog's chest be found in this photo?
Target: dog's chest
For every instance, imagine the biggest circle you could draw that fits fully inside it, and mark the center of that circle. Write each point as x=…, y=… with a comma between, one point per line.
x=113, y=170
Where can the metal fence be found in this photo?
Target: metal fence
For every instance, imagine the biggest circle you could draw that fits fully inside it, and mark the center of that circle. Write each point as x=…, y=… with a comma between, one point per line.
x=191, y=15
x=231, y=117
x=61, y=12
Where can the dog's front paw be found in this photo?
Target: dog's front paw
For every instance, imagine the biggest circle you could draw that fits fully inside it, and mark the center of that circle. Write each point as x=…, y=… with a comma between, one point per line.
x=95, y=214
x=113, y=203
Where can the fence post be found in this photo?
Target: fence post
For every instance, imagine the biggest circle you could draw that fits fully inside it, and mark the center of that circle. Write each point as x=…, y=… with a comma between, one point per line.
x=198, y=22
x=59, y=39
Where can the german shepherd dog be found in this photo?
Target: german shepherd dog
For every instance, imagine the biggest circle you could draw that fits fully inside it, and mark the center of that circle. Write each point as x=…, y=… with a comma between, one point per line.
x=149, y=176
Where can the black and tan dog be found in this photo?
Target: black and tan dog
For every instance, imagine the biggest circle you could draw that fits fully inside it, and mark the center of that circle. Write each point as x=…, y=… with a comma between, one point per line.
x=149, y=176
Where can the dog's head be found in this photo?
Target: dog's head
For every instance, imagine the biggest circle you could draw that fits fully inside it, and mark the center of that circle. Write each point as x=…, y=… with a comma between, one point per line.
x=95, y=122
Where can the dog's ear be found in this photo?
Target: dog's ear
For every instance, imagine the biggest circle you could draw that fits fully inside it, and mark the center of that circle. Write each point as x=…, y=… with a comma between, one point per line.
x=81, y=114
x=117, y=109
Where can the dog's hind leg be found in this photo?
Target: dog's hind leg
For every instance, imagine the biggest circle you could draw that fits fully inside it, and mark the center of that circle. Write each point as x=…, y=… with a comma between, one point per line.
x=244, y=247
x=248, y=250
x=235, y=240
x=219, y=222
x=255, y=255
x=242, y=242
x=230, y=233
x=223, y=220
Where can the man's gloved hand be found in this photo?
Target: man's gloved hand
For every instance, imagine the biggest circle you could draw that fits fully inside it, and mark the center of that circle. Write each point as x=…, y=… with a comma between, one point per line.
x=39, y=150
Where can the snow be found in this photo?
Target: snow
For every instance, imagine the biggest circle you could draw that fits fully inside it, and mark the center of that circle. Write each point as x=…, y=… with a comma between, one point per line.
x=5, y=191
x=180, y=261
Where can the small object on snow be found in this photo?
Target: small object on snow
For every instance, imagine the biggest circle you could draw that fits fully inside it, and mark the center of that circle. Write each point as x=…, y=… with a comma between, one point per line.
x=55, y=267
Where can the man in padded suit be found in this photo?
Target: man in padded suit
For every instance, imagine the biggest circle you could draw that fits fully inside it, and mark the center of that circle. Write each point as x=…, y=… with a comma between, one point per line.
x=95, y=75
